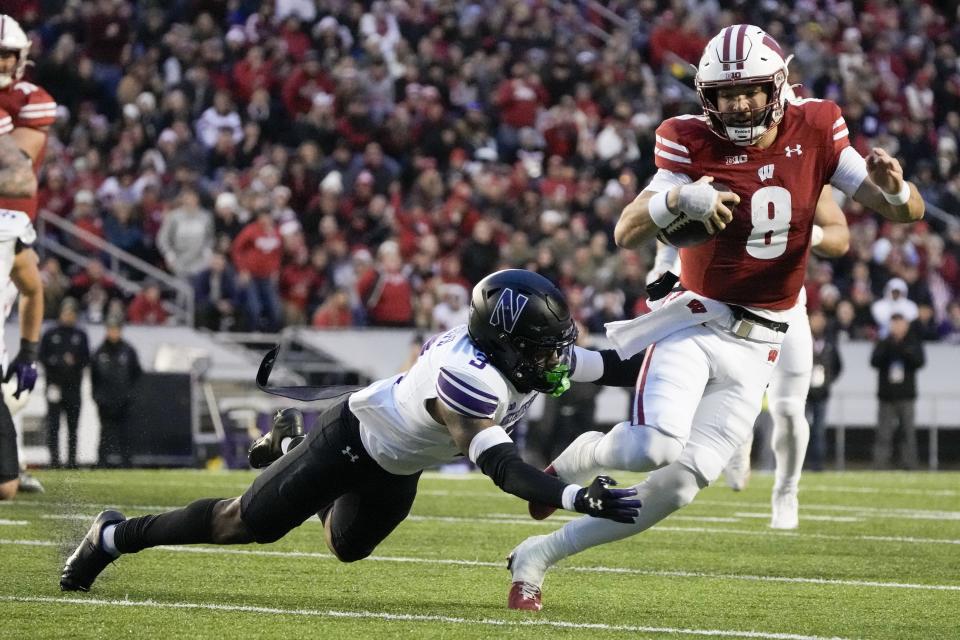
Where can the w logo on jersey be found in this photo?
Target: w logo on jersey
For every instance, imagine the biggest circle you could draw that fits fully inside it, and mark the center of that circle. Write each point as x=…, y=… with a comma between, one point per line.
x=508, y=310
x=765, y=172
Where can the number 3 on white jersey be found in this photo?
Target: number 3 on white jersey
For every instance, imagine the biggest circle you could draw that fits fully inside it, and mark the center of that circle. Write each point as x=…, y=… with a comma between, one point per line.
x=771, y=209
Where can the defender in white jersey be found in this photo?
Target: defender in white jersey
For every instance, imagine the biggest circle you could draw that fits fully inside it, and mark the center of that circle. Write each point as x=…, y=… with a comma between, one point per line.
x=19, y=266
x=787, y=393
x=360, y=464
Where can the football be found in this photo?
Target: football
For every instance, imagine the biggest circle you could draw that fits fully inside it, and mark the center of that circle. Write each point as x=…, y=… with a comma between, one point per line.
x=686, y=232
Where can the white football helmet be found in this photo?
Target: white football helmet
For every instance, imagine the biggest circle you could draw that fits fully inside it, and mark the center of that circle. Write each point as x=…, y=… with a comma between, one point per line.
x=742, y=54
x=12, y=38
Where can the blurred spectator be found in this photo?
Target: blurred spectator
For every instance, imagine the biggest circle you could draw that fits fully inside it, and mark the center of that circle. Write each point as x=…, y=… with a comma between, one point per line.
x=334, y=312
x=897, y=359
x=386, y=293
x=827, y=367
x=64, y=354
x=147, y=306
x=949, y=329
x=480, y=255
x=257, y=253
x=186, y=237
x=114, y=372
x=55, y=285
x=893, y=302
x=453, y=308
x=86, y=216
x=216, y=294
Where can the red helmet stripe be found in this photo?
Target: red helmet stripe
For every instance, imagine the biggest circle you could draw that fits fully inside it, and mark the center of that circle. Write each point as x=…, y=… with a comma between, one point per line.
x=741, y=35
x=726, y=43
x=3, y=25
x=770, y=42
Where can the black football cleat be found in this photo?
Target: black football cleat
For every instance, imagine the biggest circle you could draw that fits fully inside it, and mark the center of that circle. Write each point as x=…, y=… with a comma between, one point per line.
x=288, y=423
x=90, y=558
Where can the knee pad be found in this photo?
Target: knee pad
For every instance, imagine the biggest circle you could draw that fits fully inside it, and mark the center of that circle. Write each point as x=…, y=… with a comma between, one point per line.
x=632, y=447
x=788, y=407
x=671, y=488
x=706, y=463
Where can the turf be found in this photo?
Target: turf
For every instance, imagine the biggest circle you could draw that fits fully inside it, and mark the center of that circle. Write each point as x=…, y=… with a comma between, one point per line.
x=877, y=555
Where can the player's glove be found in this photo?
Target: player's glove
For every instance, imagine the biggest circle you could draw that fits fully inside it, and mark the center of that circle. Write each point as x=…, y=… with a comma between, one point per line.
x=599, y=501
x=24, y=366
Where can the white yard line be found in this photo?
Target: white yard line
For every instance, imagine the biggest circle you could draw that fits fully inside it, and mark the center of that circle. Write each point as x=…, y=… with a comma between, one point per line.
x=13, y=523
x=231, y=551
x=404, y=617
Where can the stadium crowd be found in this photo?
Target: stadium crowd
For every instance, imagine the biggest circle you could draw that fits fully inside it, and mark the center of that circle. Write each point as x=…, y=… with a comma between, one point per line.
x=340, y=163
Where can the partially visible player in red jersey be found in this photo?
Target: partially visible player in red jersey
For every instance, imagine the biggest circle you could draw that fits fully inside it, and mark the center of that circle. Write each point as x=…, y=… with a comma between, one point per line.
x=32, y=110
x=716, y=341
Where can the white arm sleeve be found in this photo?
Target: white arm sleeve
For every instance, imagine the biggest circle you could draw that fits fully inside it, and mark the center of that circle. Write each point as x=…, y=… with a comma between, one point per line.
x=589, y=365
x=851, y=171
x=663, y=180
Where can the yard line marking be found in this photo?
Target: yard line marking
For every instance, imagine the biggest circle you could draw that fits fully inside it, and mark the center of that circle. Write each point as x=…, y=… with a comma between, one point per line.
x=879, y=512
x=893, y=490
x=553, y=522
x=408, y=617
x=316, y=555
x=13, y=523
x=859, y=511
x=766, y=516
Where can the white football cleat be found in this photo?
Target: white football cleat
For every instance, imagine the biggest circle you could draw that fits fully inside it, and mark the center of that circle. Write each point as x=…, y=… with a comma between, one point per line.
x=737, y=471
x=786, y=510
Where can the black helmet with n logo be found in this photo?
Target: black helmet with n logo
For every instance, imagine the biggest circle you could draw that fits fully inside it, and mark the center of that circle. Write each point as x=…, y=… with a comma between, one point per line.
x=521, y=321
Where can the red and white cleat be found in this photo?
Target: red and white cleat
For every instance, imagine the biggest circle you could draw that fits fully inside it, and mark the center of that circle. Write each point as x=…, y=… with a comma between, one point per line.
x=542, y=511
x=525, y=596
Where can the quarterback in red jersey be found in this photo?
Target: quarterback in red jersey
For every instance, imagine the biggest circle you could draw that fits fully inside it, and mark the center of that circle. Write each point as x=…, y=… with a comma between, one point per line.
x=713, y=344
x=33, y=109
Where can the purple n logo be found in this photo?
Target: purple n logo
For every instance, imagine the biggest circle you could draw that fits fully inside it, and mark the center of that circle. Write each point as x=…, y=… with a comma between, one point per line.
x=508, y=309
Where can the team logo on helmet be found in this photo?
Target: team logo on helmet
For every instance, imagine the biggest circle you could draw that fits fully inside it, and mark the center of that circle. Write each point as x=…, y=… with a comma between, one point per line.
x=508, y=309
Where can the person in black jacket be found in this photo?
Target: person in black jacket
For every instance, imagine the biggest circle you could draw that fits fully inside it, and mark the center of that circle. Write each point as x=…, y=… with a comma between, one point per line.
x=114, y=371
x=897, y=358
x=826, y=369
x=64, y=354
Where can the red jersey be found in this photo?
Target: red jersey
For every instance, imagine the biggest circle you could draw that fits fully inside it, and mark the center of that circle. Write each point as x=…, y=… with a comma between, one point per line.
x=759, y=260
x=29, y=106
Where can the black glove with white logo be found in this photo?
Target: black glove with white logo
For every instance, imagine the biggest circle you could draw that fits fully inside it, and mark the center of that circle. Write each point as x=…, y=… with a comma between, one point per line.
x=599, y=501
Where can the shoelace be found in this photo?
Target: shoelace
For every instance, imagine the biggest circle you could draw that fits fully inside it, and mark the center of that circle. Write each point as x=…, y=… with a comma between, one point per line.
x=529, y=591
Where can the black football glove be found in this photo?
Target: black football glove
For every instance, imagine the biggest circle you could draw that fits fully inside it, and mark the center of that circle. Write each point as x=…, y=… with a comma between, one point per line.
x=599, y=501
x=24, y=366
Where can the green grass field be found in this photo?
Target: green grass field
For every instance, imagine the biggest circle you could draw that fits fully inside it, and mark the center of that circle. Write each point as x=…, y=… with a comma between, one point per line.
x=877, y=555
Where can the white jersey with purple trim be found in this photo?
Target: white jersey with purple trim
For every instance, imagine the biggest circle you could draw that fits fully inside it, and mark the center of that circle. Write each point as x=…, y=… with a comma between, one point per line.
x=15, y=226
x=395, y=427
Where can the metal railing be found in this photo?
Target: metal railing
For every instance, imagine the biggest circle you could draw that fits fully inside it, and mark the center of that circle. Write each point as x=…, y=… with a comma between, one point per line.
x=181, y=306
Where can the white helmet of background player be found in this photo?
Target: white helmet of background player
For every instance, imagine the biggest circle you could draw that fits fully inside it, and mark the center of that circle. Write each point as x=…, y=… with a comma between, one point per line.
x=12, y=38
x=738, y=55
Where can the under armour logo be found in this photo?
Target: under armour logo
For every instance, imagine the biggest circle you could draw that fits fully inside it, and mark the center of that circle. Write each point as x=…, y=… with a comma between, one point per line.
x=795, y=150
x=595, y=504
x=279, y=413
x=696, y=306
x=346, y=452
x=766, y=171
